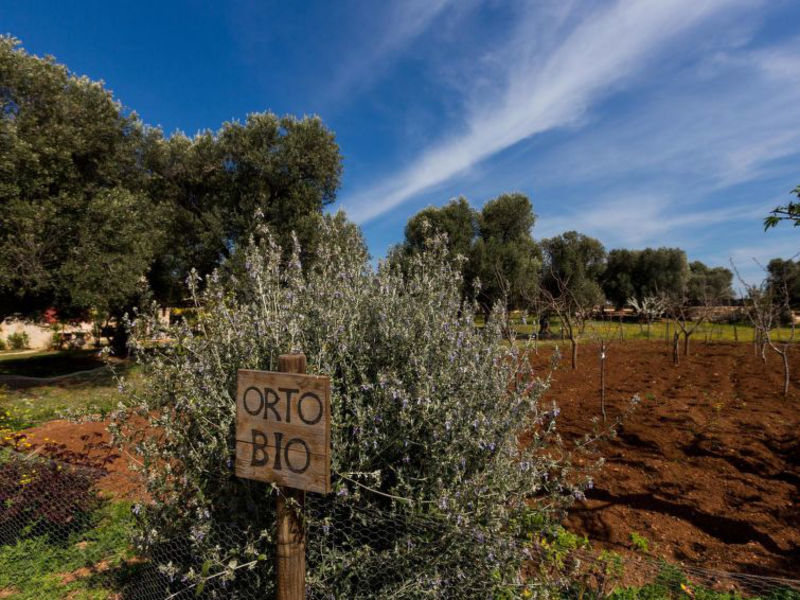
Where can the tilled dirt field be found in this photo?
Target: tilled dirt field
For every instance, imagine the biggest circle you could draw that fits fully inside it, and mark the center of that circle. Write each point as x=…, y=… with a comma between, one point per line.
x=707, y=468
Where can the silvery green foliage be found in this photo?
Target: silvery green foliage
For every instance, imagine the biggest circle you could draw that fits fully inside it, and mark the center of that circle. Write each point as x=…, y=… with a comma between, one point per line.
x=432, y=477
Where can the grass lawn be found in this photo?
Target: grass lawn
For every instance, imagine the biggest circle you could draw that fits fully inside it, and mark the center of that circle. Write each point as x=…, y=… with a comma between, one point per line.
x=25, y=403
x=89, y=564
x=662, y=330
x=27, y=407
x=48, y=363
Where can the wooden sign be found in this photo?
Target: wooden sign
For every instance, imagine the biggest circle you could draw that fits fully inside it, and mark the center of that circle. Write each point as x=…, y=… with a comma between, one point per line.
x=283, y=429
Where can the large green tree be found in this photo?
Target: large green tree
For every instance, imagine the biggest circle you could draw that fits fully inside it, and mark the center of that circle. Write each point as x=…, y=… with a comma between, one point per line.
x=573, y=265
x=618, y=279
x=505, y=257
x=77, y=228
x=783, y=278
x=456, y=219
x=497, y=243
x=642, y=273
x=709, y=284
x=286, y=168
x=579, y=262
x=92, y=201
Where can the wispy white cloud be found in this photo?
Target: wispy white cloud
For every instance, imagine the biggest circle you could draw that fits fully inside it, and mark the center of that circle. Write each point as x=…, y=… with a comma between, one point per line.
x=722, y=121
x=545, y=89
x=400, y=25
x=643, y=219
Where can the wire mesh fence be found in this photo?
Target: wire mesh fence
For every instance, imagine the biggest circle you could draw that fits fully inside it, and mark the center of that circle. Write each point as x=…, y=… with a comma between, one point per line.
x=62, y=537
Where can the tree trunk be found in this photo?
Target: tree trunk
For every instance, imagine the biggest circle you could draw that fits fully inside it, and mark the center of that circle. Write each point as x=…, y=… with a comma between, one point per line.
x=785, y=356
x=574, y=344
x=686, y=344
x=603, y=379
x=675, y=340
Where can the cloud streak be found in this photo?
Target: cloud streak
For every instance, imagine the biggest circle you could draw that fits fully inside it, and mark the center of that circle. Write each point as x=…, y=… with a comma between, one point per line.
x=403, y=23
x=644, y=219
x=599, y=53
x=721, y=121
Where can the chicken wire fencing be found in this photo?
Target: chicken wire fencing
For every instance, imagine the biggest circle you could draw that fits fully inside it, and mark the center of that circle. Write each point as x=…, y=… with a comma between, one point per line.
x=63, y=537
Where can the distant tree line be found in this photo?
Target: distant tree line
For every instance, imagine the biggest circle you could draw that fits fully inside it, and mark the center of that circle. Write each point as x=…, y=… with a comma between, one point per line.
x=504, y=263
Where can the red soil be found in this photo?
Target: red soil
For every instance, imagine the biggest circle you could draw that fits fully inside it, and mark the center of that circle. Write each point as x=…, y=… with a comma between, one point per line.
x=86, y=445
x=707, y=468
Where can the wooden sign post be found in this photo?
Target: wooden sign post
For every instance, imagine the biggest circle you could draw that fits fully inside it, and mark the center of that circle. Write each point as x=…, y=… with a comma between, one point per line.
x=283, y=436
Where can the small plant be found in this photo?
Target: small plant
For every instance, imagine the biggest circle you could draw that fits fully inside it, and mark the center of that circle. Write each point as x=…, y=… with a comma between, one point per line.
x=56, y=340
x=19, y=340
x=640, y=543
x=2, y=344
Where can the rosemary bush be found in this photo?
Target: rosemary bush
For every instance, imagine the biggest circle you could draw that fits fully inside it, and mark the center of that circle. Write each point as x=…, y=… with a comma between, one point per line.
x=432, y=480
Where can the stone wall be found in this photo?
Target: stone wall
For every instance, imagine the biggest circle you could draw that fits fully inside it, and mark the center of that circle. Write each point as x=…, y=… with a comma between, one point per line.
x=40, y=334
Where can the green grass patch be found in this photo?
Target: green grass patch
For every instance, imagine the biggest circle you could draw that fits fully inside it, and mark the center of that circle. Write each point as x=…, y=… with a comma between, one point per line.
x=39, y=568
x=28, y=407
x=26, y=403
x=49, y=364
x=672, y=584
x=658, y=331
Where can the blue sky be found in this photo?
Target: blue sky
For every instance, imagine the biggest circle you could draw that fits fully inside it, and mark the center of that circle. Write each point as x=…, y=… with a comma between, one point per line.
x=643, y=123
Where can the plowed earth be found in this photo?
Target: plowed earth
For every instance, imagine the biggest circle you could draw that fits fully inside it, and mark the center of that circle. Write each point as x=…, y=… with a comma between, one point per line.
x=707, y=468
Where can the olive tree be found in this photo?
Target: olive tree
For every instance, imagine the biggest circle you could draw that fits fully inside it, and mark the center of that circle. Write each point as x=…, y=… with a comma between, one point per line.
x=570, y=281
x=77, y=228
x=766, y=305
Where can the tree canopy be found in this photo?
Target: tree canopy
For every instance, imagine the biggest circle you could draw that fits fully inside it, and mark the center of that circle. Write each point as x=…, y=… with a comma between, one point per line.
x=505, y=258
x=648, y=272
x=75, y=218
x=286, y=168
x=709, y=285
x=456, y=219
x=93, y=202
x=575, y=262
x=783, y=277
x=496, y=242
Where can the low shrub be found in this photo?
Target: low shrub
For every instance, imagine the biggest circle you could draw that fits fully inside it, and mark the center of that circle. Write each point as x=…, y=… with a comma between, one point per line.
x=56, y=340
x=432, y=478
x=19, y=340
x=2, y=344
